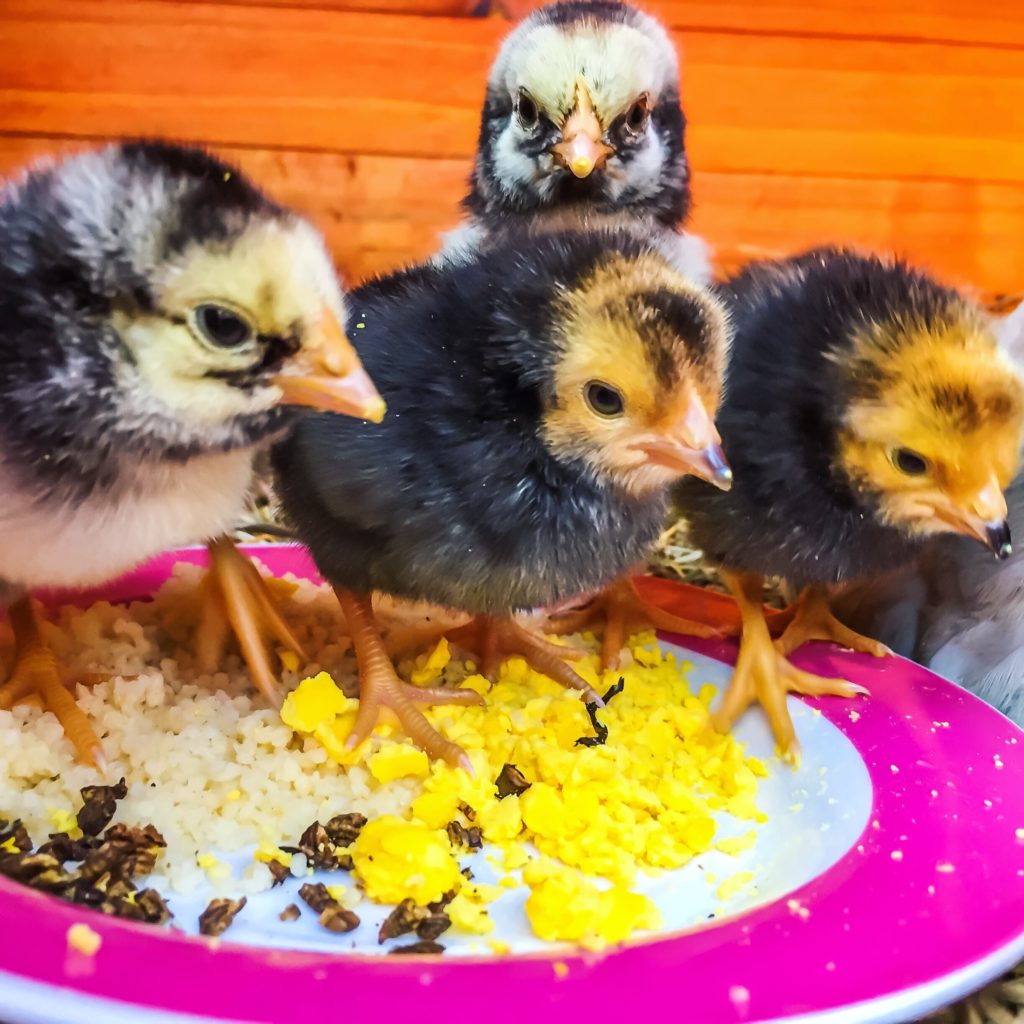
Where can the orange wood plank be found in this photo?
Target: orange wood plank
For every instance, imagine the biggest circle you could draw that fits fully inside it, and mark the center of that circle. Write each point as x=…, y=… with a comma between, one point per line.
x=381, y=212
x=452, y=8
x=994, y=22
x=370, y=83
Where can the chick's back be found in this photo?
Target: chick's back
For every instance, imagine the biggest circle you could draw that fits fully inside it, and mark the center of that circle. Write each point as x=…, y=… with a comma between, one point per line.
x=454, y=498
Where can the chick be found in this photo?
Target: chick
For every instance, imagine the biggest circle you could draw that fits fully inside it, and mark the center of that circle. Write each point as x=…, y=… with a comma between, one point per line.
x=953, y=609
x=582, y=126
x=541, y=401
x=160, y=318
x=867, y=409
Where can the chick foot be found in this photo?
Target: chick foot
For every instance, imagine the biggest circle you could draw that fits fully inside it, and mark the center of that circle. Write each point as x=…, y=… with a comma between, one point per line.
x=492, y=640
x=764, y=676
x=380, y=688
x=236, y=599
x=36, y=671
x=813, y=620
x=624, y=612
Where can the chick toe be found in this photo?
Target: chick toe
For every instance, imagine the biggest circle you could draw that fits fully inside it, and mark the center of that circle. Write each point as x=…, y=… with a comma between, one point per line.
x=813, y=620
x=380, y=688
x=36, y=671
x=624, y=612
x=236, y=600
x=493, y=640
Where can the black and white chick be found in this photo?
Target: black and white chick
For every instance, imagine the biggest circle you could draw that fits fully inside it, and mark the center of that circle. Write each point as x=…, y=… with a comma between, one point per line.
x=541, y=401
x=868, y=409
x=582, y=127
x=160, y=319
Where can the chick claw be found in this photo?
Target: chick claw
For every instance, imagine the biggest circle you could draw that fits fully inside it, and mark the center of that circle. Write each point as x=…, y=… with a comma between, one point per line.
x=493, y=640
x=813, y=620
x=625, y=611
x=380, y=688
x=764, y=676
x=235, y=598
x=36, y=669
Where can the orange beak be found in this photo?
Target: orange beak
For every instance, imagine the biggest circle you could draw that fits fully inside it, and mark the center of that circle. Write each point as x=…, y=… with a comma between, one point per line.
x=691, y=447
x=982, y=517
x=332, y=378
x=582, y=149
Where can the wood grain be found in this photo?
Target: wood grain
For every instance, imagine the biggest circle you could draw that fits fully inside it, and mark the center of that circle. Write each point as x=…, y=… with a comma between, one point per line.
x=380, y=212
x=407, y=86
x=995, y=22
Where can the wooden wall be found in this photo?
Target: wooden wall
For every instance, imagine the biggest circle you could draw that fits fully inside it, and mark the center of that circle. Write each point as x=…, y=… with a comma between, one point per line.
x=896, y=124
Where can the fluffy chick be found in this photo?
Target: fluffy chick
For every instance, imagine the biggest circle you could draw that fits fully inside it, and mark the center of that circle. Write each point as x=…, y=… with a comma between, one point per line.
x=868, y=408
x=160, y=317
x=541, y=402
x=955, y=609
x=581, y=126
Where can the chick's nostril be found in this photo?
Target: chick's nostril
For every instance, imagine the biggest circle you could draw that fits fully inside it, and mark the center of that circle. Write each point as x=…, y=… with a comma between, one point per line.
x=998, y=534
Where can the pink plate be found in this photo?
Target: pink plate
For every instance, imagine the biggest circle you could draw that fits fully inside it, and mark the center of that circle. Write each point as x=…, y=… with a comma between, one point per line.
x=926, y=906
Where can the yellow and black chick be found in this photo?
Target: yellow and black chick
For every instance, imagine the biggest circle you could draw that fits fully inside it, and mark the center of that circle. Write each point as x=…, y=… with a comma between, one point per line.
x=582, y=126
x=867, y=409
x=541, y=401
x=160, y=318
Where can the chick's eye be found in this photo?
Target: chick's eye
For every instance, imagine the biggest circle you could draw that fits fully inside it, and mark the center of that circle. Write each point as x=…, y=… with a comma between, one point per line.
x=527, y=111
x=604, y=399
x=638, y=114
x=222, y=327
x=909, y=462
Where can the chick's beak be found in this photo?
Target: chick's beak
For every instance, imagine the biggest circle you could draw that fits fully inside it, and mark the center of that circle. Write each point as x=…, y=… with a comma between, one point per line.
x=982, y=517
x=582, y=150
x=691, y=447
x=329, y=376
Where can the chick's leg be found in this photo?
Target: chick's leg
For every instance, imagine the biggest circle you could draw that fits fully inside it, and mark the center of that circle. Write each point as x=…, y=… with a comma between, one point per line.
x=36, y=672
x=493, y=640
x=624, y=611
x=764, y=676
x=236, y=598
x=380, y=688
x=812, y=620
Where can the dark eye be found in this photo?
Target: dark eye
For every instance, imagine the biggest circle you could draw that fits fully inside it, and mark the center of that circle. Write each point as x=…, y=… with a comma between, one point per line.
x=222, y=327
x=638, y=114
x=527, y=110
x=604, y=399
x=909, y=462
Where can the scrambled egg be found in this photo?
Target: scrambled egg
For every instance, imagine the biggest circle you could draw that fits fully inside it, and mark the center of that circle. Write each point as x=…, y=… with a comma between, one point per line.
x=643, y=800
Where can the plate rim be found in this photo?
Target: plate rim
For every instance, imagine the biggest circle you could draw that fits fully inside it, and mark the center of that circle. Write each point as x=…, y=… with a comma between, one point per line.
x=586, y=982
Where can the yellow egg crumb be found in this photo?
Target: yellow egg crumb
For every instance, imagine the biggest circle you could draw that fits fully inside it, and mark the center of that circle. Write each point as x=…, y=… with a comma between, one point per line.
x=734, y=885
x=337, y=892
x=216, y=870
x=9, y=845
x=84, y=940
x=289, y=659
x=398, y=761
x=469, y=916
x=561, y=969
x=234, y=795
x=563, y=905
x=430, y=667
x=64, y=821
x=646, y=799
x=508, y=882
x=498, y=947
x=735, y=845
x=267, y=852
x=396, y=859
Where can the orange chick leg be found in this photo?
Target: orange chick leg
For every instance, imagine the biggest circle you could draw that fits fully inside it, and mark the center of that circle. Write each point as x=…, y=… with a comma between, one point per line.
x=36, y=671
x=493, y=640
x=380, y=688
x=236, y=599
x=764, y=676
x=813, y=620
x=624, y=611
